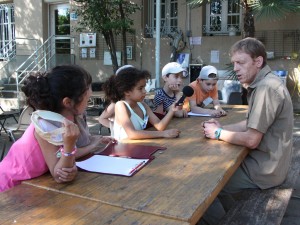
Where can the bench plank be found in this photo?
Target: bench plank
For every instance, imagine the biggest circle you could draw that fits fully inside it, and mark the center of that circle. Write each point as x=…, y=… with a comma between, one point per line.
x=266, y=206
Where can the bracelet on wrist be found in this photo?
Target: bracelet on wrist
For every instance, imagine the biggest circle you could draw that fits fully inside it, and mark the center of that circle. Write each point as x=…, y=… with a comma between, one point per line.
x=218, y=133
x=62, y=151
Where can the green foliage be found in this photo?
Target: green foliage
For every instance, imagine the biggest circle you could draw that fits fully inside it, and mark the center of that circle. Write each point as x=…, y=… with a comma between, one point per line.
x=198, y=3
x=262, y=9
x=109, y=17
x=104, y=15
x=231, y=74
x=61, y=29
x=274, y=9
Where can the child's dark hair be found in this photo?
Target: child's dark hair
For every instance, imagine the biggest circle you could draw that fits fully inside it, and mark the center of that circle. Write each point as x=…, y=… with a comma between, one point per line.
x=45, y=91
x=116, y=86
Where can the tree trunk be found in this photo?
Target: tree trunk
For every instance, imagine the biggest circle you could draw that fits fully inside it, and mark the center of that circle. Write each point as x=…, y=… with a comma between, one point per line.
x=249, y=28
x=123, y=35
x=109, y=39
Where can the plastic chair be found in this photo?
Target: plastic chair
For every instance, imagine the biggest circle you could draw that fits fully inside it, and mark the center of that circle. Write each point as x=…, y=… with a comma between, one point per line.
x=4, y=115
x=24, y=122
x=235, y=98
x=150, y=85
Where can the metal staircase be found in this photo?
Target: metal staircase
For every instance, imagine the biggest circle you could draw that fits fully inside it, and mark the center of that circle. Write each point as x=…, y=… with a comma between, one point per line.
x=44, y=57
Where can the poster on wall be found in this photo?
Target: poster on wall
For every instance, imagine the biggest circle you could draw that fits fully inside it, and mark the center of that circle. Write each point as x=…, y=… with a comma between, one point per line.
x=129, y=52
x=107, y=58
x=184, y=60
x=214, y=56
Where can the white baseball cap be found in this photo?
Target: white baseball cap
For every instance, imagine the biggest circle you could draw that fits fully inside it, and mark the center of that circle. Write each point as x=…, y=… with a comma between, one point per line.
x=172, y=67
x=123, y=67
x=208, y=72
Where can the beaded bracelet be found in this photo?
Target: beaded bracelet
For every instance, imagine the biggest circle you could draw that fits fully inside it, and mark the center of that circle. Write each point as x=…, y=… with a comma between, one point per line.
x=68, y=153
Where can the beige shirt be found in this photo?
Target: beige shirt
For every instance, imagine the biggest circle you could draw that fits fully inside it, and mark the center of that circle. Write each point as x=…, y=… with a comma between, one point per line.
x=85, y=137
x=271, y=113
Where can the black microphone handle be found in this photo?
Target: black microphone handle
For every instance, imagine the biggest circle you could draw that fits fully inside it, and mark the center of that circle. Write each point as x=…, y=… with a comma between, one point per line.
x=181, y=100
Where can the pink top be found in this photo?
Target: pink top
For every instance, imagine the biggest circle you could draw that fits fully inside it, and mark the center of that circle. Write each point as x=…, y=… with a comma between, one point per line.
x=24, y=161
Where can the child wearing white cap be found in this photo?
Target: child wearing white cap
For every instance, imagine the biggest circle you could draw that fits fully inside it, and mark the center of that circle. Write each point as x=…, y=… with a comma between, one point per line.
x=172, y=74
x=205, y=92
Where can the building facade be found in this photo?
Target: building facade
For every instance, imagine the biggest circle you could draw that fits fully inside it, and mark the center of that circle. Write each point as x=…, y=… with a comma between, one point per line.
x=201, y=35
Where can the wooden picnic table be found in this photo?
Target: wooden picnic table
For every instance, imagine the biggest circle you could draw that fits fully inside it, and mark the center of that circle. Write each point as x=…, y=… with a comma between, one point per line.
x=97, y=98
x=25, y=204
x=178, y=185
x=101, y=95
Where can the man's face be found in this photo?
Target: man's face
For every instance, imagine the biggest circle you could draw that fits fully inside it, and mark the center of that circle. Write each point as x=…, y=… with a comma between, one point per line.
x=245, y=67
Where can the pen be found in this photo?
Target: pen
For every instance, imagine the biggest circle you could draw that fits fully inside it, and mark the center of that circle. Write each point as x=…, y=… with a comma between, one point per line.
x=121, y=156
x=137, y=167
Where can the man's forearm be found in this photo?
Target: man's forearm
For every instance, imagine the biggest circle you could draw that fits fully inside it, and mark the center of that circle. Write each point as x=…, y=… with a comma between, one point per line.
x=237, y=127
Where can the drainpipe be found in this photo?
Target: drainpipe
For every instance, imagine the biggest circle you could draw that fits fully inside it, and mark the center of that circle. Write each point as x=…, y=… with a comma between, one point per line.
x=157, y=44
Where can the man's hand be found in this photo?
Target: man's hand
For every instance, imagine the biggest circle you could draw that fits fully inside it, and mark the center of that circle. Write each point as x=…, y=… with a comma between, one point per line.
x=210, y=127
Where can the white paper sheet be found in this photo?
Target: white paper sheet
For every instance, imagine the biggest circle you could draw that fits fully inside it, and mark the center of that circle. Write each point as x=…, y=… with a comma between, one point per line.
x=198, y=114
x=112, y=165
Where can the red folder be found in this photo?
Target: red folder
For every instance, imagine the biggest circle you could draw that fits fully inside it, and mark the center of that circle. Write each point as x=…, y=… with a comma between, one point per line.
x=122, y=150
x=134, y=151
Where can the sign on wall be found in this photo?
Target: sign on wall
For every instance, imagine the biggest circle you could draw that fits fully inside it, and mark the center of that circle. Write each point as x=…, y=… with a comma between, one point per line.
x=107, y=58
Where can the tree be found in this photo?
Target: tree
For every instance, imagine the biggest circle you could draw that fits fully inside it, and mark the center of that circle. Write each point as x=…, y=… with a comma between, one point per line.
x=267, y=9
x=110, y=18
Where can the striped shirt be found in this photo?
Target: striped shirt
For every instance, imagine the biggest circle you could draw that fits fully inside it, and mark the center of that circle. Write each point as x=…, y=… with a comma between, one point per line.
x=161, y=97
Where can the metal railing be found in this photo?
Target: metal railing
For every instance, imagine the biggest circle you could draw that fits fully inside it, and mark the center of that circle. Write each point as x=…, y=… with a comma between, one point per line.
x=220, y=30
x=165, y=31
x=24, y=46
x=45, y=57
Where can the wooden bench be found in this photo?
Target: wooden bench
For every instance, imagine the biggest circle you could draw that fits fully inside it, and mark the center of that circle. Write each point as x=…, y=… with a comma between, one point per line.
x=267, y=207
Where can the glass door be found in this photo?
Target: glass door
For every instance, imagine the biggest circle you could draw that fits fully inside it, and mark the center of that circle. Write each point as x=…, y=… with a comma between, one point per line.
x=60, y=27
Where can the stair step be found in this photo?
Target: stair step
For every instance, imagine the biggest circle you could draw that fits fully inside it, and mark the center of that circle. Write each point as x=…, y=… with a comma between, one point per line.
x=10, y=103
x=7, y=87
x=9, y=94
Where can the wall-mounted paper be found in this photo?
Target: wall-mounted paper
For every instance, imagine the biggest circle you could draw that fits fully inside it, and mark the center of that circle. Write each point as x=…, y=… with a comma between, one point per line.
x=214, y=56
x=195, y=40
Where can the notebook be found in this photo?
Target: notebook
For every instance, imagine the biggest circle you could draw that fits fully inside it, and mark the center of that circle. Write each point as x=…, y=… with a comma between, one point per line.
x=198, y=114
x=119, y=159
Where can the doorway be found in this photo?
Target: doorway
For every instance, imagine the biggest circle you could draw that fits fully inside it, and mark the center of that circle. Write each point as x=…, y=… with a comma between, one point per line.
x=60, y=27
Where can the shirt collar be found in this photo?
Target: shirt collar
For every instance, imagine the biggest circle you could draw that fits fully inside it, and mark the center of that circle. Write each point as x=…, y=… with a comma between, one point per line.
x=261, y=75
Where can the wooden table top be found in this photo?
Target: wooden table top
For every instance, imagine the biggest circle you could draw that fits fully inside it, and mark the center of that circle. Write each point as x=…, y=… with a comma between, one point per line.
x=178, y=184
x=25, y=204
x=101, y=94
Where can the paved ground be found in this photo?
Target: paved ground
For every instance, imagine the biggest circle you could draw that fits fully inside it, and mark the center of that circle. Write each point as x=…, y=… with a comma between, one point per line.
x=292, y=215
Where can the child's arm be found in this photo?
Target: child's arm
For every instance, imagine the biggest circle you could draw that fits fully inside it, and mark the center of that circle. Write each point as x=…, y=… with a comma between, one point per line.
x=197, y=109
x=122, y=116
x=96, y=143
x=179, y=112
x=218, y=107
x=108, y=113
x=161, y=124
x=62, y=169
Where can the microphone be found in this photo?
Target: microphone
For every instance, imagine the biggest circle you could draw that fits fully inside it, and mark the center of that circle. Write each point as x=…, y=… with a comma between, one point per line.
x=187, y=91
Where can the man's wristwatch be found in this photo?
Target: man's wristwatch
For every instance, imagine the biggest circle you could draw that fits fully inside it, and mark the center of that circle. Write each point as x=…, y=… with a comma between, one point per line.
x=218, y=133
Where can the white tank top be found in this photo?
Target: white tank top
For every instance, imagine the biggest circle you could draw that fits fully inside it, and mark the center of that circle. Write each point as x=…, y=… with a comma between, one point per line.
x=137, y=121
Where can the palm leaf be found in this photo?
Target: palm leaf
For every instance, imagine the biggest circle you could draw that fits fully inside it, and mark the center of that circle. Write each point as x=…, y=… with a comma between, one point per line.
x=197, y=3
x=274, y=9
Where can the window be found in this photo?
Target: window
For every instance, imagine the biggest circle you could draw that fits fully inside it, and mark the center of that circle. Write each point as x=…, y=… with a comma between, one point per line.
x=7, y=30
x=223, y=17
x=169, y=17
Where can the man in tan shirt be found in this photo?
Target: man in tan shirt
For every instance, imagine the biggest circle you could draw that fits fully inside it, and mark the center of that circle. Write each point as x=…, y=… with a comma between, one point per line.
x=267, y=129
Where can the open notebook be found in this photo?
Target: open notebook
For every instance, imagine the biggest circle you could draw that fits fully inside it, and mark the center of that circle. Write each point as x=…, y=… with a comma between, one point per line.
x=198, y=114
x=119, y=159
